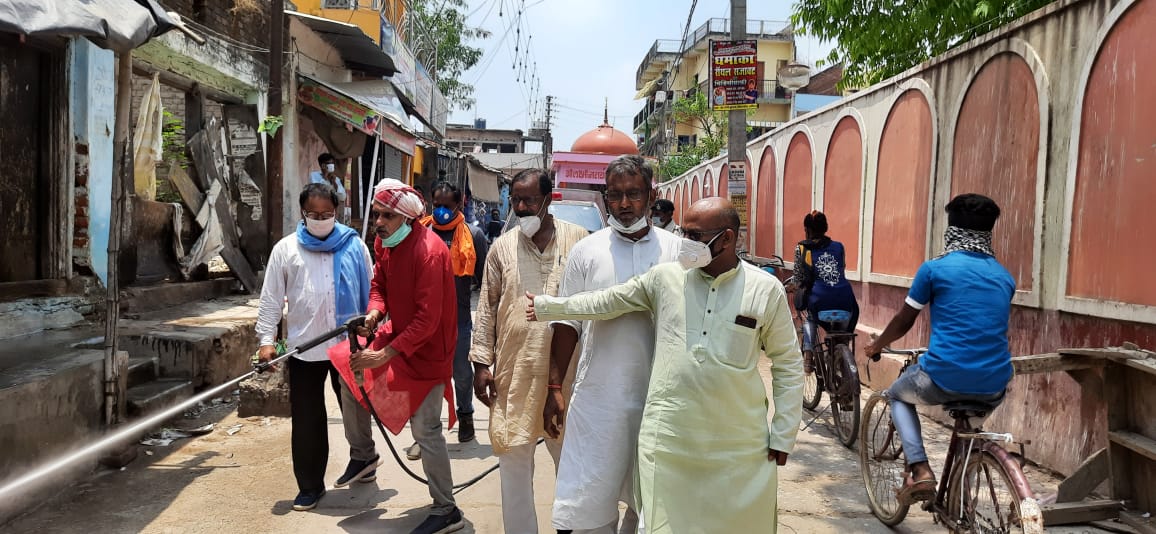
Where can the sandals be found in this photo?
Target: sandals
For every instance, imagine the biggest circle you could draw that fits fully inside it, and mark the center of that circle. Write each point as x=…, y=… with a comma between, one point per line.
x=915, y=491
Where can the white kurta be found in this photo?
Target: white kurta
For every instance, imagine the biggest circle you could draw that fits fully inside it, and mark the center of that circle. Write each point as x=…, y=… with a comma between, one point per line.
x=303, y=282
x=597, y=465
x=704, y=438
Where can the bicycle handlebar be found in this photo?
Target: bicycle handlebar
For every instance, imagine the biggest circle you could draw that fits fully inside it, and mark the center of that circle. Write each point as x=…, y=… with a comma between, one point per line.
x=906, y=352
x=774, y=261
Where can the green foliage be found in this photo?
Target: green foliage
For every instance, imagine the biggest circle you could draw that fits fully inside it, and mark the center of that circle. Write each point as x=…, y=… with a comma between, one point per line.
x=695, y=110
x=271, y=124
x=173, y=141
x=441, y=40
x=875, y=41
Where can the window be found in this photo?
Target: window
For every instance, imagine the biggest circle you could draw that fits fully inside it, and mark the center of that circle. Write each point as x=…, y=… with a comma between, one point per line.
x=340, y=4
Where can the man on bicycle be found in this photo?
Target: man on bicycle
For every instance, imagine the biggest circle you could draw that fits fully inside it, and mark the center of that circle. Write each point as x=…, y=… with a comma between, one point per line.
x=820, y=283
x=969, y=294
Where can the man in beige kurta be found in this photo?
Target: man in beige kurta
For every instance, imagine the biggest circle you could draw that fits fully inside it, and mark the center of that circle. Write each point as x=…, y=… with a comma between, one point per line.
x=531, y=258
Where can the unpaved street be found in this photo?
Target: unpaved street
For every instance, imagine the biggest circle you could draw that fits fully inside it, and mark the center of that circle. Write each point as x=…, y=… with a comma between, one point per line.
x=243, y=483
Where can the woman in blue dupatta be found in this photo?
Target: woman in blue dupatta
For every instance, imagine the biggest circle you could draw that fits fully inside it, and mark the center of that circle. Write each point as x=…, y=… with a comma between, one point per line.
x=320, y=275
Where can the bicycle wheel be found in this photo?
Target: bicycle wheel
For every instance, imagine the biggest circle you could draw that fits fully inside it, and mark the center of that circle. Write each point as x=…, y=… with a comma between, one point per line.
x=983, y=499
x=845, y=401
x=881, y=461
x=813, y=384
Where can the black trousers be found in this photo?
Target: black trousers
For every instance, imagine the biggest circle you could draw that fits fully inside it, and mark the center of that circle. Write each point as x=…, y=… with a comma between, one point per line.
x=310, y=422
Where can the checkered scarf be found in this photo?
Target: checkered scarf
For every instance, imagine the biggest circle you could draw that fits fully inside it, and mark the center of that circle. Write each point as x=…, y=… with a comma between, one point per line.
x=399, y=197
x=957, y=238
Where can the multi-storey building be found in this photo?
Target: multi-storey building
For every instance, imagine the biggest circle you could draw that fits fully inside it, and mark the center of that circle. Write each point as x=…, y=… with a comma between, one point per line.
x=673, y=69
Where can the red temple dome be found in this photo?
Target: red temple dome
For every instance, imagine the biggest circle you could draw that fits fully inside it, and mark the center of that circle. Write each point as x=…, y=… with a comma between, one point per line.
x=605, y=140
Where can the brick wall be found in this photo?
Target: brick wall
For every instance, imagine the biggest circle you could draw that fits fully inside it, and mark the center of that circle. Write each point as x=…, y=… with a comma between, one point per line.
x=242, y=20
x=80, y=257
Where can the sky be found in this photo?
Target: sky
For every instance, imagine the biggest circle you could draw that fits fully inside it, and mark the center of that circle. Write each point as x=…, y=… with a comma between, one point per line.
x=586, y=51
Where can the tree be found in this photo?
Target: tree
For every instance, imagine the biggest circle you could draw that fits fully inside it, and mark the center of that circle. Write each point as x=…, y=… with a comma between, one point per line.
x=875, y=41
x=440, y=38
x=696, y=110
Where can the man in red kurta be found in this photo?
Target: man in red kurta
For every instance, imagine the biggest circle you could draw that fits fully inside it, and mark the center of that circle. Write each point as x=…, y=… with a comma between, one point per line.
x=413, y=284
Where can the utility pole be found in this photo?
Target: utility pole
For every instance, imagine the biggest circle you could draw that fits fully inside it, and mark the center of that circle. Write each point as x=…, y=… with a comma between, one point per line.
x=548, y=140
x=737, y=132
x=274, y=182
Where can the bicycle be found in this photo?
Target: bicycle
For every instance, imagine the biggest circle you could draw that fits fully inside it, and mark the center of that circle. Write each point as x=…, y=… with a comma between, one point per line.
x=836, y=373
x=976, y=470
x=773, y=266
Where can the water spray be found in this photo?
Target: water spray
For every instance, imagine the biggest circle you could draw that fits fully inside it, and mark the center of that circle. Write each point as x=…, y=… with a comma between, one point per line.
x=140, y=427
x=132, y=431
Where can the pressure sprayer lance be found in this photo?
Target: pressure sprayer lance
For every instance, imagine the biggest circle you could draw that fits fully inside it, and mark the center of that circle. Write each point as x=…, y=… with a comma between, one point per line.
x=134, y=430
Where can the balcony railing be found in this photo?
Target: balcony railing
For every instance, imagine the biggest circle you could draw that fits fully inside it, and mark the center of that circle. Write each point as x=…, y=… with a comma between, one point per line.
x=647, y=110
x=756, y=29
x=661, y=46
x=770, y=92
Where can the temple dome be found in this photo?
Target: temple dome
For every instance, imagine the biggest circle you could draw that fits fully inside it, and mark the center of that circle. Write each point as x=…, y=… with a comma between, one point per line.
x=605, y=140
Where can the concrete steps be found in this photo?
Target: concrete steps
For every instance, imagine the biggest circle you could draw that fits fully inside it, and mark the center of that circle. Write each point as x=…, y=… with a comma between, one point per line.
x=142, y=370
x=152, y=397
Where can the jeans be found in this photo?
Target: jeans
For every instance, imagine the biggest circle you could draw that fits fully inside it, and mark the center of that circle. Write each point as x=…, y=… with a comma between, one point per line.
x=464, y=370
x=426, y=426
x=916, y=387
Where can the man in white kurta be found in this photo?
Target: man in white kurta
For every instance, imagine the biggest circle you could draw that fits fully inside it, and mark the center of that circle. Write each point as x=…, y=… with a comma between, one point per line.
x=707, y=458
x=596, y=469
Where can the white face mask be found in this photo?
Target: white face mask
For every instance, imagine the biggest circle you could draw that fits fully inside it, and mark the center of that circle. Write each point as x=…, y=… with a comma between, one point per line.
x=657, y=221
x=696, y=254
x=529, y=225
x=320, y=229
x=617, y=225
x=329, y=167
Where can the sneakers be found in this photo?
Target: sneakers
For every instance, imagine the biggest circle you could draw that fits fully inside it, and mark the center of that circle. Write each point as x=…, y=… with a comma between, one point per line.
x=465, y=427
x=307, y=500
x=441, y=524
x=359, y=470
x=413, y=452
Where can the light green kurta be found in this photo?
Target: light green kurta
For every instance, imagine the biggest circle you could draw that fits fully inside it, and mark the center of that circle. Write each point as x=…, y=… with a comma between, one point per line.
x=703, y=444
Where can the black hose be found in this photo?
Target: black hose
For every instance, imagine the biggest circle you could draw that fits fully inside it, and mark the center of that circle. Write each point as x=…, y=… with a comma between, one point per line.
x=397, y=457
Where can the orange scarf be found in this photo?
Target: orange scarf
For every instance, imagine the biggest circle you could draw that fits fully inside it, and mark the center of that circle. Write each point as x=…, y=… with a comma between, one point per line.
x=462, y=254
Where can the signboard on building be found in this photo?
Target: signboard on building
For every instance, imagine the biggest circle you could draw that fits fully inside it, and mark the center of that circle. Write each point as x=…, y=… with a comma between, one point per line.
x=353, y=113
x=734, y=80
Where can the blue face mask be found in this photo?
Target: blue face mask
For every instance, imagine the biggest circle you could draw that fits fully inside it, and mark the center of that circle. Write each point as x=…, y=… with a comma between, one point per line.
x=397, y=236
x=443, y=215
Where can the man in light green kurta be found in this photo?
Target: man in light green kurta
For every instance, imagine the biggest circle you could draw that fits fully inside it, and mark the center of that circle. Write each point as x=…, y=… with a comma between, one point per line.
x=707, y=459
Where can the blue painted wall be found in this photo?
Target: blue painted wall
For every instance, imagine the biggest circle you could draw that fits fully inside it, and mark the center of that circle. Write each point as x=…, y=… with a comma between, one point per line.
x=93, y=112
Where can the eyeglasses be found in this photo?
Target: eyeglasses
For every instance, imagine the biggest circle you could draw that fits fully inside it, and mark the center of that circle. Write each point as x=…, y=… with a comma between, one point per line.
x=698, y=235
x=617, y=197
x=528, y=201
x=319, y=216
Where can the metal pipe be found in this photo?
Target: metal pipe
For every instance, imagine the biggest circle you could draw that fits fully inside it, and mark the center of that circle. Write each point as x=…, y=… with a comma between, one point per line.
x=369, y=183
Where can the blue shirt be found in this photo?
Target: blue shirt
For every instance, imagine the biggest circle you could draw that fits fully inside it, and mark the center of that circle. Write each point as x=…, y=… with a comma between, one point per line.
x=970, y=299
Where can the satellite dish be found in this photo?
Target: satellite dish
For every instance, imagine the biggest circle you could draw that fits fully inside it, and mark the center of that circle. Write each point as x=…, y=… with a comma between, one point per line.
x=794, y=76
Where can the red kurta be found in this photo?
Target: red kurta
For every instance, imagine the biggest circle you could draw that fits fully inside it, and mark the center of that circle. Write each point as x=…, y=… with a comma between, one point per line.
x=413, y=283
